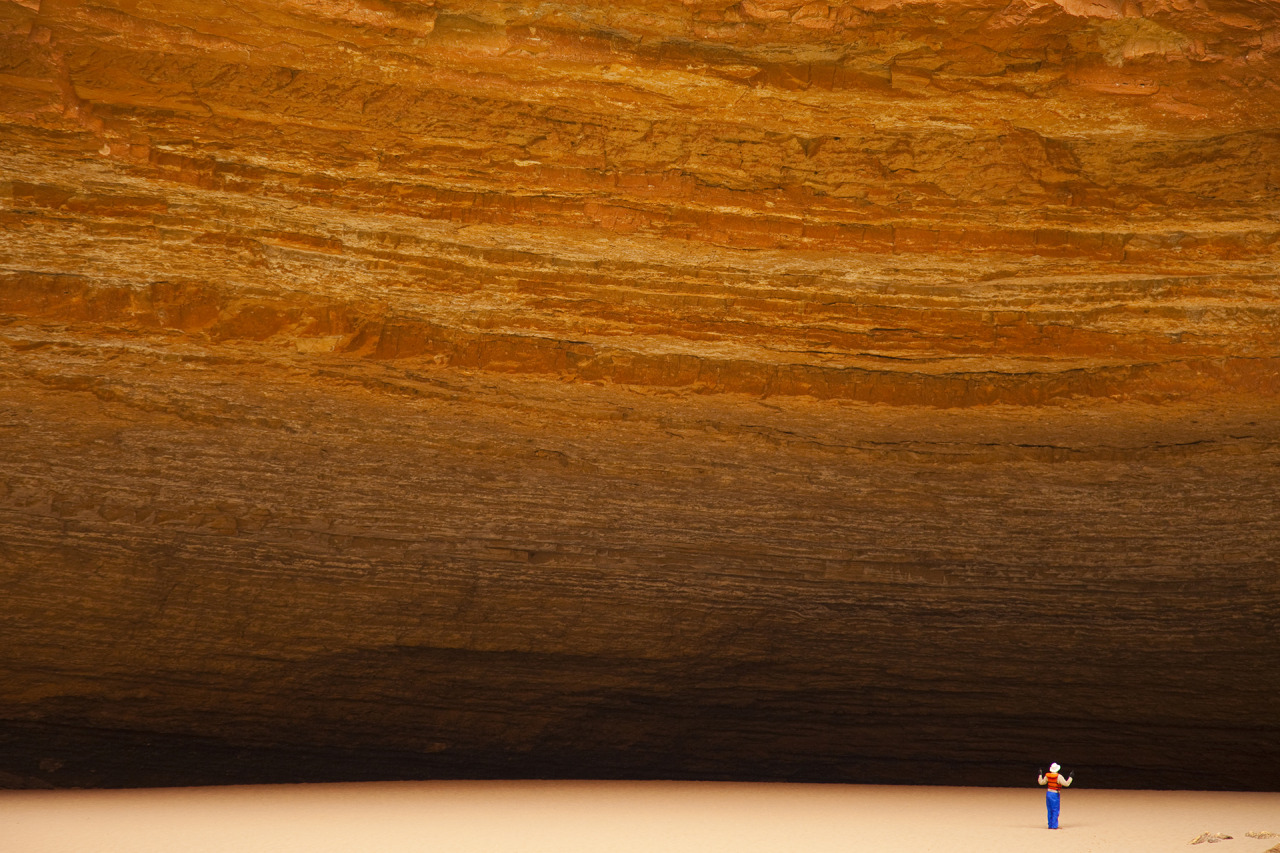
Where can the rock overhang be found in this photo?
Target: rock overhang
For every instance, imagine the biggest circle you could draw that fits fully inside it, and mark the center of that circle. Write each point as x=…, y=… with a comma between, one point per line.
x=758, y=390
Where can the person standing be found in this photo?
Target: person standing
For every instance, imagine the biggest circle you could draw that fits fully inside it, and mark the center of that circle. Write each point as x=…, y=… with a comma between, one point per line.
x=1056, y=782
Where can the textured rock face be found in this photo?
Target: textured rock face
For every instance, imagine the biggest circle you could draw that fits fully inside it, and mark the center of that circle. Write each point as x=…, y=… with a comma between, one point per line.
x=771, y=390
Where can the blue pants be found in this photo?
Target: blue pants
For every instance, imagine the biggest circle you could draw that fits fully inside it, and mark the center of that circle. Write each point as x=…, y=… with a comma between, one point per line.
x=1051, y=800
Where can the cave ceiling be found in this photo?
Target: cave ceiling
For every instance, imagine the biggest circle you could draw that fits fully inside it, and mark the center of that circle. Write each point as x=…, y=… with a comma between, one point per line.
x=856, y=391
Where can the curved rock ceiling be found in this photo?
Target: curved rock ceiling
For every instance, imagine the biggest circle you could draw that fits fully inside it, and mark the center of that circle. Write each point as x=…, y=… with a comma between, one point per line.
x=867, y=391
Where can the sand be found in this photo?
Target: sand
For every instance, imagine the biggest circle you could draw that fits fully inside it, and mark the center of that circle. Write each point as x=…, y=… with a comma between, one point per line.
x=564, y=817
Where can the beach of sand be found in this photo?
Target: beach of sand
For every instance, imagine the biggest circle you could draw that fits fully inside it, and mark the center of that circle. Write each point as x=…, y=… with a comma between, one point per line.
x=596, y=817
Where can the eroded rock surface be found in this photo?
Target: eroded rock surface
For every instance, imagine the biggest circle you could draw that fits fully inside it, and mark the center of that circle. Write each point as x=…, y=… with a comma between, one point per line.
x=772, y=390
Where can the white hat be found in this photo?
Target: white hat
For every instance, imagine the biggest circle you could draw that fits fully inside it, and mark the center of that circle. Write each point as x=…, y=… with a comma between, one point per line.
x=1054, y=768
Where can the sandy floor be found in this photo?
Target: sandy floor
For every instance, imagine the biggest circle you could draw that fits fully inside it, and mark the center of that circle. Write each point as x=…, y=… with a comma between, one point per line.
x=564, y=817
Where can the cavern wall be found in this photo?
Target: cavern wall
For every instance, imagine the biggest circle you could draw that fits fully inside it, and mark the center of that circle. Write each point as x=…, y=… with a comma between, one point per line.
x=858, y=391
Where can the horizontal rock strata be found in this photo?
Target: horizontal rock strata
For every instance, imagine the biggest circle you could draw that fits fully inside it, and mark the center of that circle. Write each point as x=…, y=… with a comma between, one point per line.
x=778, y=390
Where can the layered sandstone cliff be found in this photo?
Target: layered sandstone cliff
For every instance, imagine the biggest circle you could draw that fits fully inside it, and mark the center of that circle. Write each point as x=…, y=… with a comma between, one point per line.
x=770, y=390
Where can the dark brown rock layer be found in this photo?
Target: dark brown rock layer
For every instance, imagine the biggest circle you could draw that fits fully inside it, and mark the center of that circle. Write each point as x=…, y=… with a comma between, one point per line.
x=773, y=390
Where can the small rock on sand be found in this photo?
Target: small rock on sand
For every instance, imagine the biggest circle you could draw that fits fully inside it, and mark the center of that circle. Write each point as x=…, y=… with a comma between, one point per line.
x=1211, y=837
x=1261, y=833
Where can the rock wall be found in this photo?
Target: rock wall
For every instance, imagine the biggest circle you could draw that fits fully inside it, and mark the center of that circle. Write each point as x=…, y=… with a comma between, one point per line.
x=780, y=390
